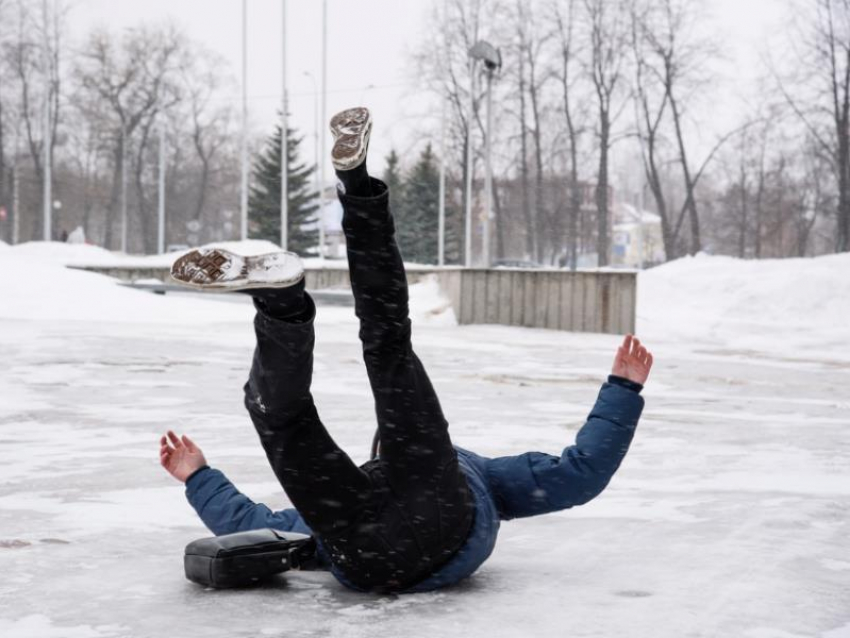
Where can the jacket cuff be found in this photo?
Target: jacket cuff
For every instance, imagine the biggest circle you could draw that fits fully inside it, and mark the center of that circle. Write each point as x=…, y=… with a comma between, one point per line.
x=628, y=384
x=195, y=473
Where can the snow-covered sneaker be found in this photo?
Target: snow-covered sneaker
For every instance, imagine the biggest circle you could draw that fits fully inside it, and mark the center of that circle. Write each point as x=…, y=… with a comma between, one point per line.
x=351, y=129
x=220, y=269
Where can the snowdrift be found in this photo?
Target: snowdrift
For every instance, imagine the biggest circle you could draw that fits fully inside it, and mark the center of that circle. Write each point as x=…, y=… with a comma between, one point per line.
x=774, y=304
x=35, y=284
x=789, y=305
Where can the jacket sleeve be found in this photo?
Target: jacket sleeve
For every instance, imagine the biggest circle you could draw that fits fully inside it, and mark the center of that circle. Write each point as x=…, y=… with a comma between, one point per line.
x=224, y=509
x=536, y=483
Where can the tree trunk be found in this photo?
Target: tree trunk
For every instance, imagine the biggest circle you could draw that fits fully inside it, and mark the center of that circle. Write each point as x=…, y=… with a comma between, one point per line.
x=759, y=213
x=112, y=209
x=742, y=234
x=690, y=186
x=530, y=229
x=540, y=213
x=842, y=243
x=575, y=203
x=574, y=194
x=201, y=200
x=145, y=214
x=602, y=247
x=500, y=226
x=2, y=159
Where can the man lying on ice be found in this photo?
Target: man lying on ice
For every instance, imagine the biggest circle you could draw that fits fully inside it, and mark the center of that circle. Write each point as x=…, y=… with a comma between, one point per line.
x=423, y=514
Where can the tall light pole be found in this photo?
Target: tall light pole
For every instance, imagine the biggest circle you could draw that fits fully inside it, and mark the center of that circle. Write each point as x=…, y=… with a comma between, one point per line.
x=441, y=241
x=316, y=177
x=47, y=190
x=323, y=118
x=468, y=208
x=441, y=231
x=493, y=64
x=244, y=190
x=284, y=145
x=492, y=59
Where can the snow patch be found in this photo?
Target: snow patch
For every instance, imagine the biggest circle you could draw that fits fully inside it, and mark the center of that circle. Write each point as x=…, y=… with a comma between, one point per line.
x=38, y=626
x=429, y=305
x=840, y=632
x=788, y=305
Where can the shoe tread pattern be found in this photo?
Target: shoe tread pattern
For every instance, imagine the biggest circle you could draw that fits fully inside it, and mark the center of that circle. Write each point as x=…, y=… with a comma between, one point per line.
x=201, y=268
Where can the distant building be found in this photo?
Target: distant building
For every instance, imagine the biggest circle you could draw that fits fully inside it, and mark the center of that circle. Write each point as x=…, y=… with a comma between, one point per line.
x=330, y=219
x=637, y=239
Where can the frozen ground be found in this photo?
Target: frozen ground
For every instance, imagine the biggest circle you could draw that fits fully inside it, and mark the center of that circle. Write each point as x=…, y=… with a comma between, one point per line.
x=729, y=517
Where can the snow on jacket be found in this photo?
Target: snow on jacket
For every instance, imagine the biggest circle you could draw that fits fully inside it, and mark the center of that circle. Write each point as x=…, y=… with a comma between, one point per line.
x=504, y=488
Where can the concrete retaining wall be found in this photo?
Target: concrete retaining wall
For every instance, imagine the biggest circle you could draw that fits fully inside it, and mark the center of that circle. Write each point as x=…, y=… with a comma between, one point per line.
x=555, y=299
x=559, y=300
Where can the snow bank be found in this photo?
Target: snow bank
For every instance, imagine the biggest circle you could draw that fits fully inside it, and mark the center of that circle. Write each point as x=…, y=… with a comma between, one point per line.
x=87, y=255
x=35, y=284
x=767, y=304
x=429, y=305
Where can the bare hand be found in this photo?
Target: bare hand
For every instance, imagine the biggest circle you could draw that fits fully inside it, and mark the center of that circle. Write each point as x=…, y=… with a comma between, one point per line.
x=633, y=361
x=181, y=457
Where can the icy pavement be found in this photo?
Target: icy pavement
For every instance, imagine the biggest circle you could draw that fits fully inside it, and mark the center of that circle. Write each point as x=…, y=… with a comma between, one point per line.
x=729, y=517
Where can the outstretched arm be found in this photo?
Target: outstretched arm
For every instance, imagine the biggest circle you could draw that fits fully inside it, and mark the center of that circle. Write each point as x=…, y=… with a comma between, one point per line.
x=222, y=507
x=536, y=483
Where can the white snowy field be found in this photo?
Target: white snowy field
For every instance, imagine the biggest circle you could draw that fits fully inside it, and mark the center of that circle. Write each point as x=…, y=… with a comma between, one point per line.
x=729, y=517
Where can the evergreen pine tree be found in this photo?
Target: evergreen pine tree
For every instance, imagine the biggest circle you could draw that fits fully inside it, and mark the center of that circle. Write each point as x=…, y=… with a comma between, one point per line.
x=418, y=228
x=264, y=200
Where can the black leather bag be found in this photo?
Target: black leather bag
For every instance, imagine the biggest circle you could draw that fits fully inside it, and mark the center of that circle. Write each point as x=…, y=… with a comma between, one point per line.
x=245, y=558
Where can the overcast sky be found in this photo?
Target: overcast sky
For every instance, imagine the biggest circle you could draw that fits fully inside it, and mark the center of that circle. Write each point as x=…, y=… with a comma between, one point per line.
x=369, y=50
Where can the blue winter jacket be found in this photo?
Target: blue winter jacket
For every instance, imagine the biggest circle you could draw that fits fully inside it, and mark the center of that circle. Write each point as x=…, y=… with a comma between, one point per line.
x=504, y=488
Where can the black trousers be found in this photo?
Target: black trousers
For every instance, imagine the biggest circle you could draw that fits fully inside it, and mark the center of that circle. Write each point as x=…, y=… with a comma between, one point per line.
x=391, y=522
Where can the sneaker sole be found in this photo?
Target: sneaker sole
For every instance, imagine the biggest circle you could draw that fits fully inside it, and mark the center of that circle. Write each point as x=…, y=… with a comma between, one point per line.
x=221, y=270
x=351, y=129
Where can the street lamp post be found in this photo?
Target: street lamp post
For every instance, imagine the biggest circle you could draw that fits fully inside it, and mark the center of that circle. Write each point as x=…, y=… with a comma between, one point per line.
x=316, y=176
x=47, y=191
x=324, y=117
x=468, y=207
x=492, y=63
x=243, y=195
x=284, y=146
x=492, y=59
x=441, y=231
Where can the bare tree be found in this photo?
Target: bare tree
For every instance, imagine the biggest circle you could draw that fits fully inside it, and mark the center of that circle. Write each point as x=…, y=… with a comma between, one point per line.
x=820, y=96
x=4, y=83
x=569, y=52
x=443, y=66
x=202, y=79
x=652, y=101
x=669, y=50
x=533, y=40
x=34, y=55
x=136, y=80
x=608, y=36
